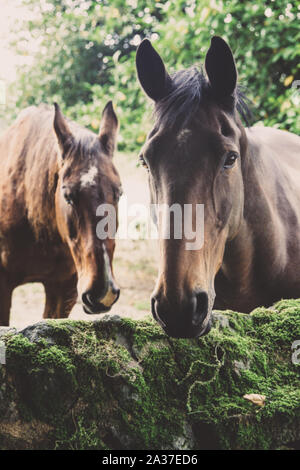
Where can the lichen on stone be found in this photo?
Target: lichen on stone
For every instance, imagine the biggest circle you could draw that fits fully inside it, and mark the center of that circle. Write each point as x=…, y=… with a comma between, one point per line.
x=117, y=383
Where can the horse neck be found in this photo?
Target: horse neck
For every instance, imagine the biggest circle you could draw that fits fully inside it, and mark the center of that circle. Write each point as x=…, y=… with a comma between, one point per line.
x=258, y=226
x=40, y=197
x=256, y=197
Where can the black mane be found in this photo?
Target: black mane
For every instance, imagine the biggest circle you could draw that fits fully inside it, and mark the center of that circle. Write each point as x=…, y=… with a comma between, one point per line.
x=190, y=87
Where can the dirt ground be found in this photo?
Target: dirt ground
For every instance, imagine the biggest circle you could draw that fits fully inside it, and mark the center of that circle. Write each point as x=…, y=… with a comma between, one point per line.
x=135, y=263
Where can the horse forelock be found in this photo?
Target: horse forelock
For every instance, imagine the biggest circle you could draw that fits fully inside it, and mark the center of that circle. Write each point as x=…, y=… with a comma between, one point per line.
x=190, y=89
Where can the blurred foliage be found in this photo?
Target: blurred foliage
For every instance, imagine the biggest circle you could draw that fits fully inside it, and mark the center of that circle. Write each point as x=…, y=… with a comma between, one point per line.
x=85, y=55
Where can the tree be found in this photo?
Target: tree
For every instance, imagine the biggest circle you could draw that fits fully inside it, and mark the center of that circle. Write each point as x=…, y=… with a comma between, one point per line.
x=86, y=55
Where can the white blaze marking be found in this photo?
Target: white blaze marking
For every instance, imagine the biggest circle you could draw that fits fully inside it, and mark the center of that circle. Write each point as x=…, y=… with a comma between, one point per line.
x=88, y=178
x=109, y=297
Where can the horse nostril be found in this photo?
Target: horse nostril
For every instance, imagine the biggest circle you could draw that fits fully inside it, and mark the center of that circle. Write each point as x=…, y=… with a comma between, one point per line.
x=154, y=308
x=202, y=301
x=201, y=309
x=115, y=291
x=87, y=299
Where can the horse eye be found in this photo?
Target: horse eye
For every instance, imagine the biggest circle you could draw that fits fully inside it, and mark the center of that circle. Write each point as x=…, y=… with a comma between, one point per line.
x=117, y=193
x=230, y=160
x=68, y=198
x=142, y=162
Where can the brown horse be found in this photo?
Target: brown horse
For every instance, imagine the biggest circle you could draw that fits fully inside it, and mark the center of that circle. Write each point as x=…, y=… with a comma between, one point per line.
x=247, y=179
x=50, y=187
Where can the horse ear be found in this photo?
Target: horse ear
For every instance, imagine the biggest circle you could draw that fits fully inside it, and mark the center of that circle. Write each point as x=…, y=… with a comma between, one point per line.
x=61, y=128
x=151, y=71
x=109, y=128
x=220, y=68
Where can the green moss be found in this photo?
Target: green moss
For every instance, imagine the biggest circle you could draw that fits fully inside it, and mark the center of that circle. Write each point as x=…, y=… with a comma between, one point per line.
x=119, y=383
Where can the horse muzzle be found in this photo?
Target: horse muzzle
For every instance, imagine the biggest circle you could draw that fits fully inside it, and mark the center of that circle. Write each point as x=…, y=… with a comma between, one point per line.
x=92, y=304
x=190, y=318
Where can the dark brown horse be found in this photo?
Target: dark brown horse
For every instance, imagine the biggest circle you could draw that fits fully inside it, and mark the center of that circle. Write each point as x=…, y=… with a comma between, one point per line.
x=247, y=179
x=54, y=174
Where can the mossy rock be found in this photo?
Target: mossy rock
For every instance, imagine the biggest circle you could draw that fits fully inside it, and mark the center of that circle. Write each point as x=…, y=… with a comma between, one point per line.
x=116, y=383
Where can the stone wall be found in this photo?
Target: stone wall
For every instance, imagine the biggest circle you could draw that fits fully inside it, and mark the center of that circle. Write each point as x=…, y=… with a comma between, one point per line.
x=123, y=384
